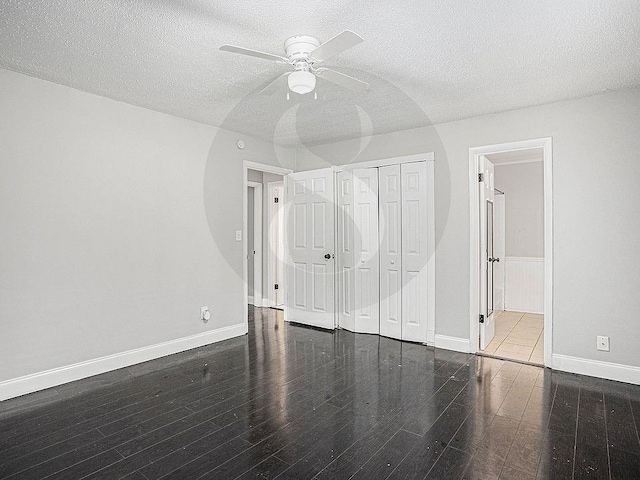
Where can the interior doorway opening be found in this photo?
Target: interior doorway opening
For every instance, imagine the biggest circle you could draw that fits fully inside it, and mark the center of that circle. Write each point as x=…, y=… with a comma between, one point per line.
x=511, y=251
x=264, y=258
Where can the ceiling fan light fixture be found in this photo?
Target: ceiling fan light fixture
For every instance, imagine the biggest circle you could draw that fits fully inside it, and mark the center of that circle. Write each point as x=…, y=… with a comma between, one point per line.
x=301, y=82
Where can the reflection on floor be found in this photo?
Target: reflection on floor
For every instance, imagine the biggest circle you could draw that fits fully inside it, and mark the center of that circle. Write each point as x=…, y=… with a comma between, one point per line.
x=519, y=336
x=287, y=402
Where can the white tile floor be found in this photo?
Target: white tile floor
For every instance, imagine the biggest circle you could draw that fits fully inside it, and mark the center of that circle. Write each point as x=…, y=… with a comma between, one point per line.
x=519, y=336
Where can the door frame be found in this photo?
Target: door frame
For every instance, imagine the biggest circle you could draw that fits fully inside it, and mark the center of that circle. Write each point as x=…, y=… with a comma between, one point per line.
x=428, y=157
x=474, y=237
x=261, y=167
x=272, y=251
x=257, y=243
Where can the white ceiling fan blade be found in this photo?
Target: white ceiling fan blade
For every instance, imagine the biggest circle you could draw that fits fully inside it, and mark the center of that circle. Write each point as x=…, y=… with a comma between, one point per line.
x=278, y=84
x=343, y=80
x=338, y=44
x=254, y=53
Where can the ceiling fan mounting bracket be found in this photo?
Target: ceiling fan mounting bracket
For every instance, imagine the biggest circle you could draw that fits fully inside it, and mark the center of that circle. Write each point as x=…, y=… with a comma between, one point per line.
x=299, y=46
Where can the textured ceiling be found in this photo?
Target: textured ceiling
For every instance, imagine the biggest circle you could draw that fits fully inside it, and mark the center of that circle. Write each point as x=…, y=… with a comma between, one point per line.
x=427, y=61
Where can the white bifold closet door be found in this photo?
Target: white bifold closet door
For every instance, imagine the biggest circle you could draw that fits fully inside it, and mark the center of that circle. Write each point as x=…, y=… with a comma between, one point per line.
x=359, y=265
x=383, y=250
x=404, y=251
x=390, y=201
x=310, y=242
x=415, y=255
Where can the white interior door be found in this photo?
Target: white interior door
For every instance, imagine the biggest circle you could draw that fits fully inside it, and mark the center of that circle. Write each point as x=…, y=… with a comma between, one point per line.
x=310, y=244
x=499, y=252
x=276, y=244
x=345, y=261
x=415, y=243
x=367, y=266
x=390, y=208
x=487, y=325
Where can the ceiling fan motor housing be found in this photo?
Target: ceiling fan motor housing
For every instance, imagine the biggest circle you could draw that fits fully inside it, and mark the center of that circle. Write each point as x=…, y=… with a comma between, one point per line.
x=299, y=46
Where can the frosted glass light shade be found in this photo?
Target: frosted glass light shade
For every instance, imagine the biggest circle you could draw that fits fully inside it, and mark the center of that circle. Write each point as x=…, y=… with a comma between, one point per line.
x=302, y=82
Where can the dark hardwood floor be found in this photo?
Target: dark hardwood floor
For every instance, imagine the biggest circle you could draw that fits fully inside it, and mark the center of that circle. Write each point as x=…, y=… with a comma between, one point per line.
x=290, y=402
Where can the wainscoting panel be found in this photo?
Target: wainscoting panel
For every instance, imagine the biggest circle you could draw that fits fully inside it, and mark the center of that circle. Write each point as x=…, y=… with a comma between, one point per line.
x=524, y=290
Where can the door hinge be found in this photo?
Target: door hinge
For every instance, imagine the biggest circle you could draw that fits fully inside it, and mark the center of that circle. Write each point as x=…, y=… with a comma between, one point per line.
x=481, y=177
x=481, y=318
x=276, y=200
x=276, y=286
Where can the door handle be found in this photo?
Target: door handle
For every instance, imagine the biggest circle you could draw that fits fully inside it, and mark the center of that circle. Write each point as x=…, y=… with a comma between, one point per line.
x=327, y=256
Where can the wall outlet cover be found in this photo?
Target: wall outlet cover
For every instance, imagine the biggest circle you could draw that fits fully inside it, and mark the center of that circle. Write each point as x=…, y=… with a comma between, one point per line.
x=602, y=343
x=205, y=314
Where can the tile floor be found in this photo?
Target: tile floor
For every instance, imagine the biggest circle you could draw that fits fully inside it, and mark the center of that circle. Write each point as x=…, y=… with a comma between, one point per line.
x=519, y=336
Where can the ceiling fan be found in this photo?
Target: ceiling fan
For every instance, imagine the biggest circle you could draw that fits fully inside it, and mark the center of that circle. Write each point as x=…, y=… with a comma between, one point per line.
x=304, y=52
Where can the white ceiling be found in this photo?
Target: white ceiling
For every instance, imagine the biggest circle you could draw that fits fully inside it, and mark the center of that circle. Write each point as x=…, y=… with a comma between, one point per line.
x=427, y=61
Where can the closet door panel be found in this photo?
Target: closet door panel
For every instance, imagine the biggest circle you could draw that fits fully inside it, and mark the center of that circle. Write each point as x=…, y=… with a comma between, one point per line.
x=390, y=208
x=346, y=274
x=366, y=258
x=414, y=251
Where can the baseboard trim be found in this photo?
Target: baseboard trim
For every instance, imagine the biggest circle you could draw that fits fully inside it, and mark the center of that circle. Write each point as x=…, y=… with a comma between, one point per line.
x=268, y=303
x=596, y=368
x=456, y=344
x=16, y=387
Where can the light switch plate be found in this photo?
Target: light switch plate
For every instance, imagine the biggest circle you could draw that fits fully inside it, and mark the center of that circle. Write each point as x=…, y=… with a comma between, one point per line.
x=238, y=235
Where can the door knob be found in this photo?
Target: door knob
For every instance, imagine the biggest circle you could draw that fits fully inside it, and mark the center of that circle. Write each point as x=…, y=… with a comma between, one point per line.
x=362, y=261
x=496, y=259
x=327, y=256
x=393, y=262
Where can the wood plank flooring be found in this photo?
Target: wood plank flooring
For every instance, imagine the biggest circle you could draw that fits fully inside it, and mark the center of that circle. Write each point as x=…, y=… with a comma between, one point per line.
x=290, y=402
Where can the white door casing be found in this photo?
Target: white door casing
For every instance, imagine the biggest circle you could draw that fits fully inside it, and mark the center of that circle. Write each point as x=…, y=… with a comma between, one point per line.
x=310, y=247
x=487, y=327
x=367, y=266
x=390, y=207
x=415, y=253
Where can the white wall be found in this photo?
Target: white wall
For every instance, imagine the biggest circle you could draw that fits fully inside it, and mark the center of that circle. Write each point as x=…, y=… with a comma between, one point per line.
x=117, y=224
x=596, y=173
x=523, y=185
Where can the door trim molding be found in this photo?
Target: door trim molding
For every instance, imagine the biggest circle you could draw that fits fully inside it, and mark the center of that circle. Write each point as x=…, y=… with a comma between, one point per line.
x=474, y=237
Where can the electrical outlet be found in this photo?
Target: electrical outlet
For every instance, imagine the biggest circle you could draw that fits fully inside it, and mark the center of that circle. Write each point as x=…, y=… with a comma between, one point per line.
x=238, y=235
x=205, y=314
x=602, y=343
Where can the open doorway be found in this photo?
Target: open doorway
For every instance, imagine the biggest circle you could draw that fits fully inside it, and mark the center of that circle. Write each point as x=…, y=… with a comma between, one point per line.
x=254, y=242
x=511, y=251
x=264, y=235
